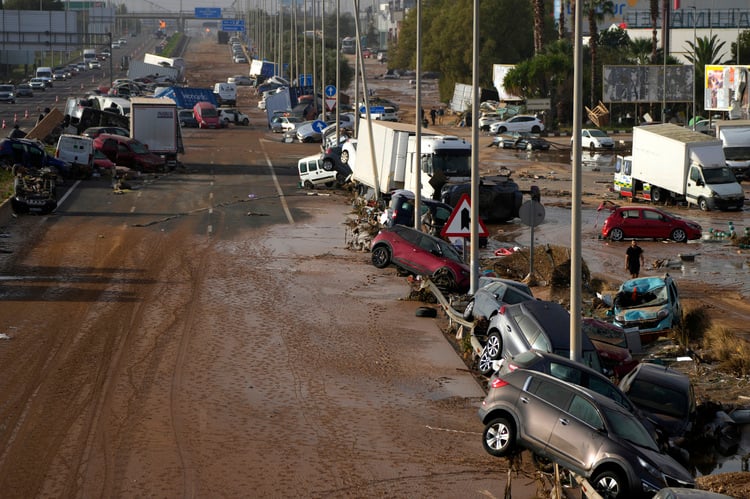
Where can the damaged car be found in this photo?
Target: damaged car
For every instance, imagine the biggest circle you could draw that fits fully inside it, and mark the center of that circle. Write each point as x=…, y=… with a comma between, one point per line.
x=34, y=191
x=420, y=254
x=649, y=304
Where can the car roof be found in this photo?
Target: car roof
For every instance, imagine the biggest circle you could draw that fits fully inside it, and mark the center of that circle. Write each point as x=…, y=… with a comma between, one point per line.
x=657, y=374
x=644, y=284
x=554, y=319
x=599, y=399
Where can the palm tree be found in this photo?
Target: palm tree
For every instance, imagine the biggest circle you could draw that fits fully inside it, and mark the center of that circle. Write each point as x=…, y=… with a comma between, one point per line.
x=596, y=10
x=705, y=52
x=641, y=51
x=538, y=6
x=654, y=11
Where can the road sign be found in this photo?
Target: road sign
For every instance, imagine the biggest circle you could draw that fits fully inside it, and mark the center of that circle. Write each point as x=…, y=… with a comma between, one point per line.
x=305, y=80
x=459, y=223
x=531, y=213
x=330, y=104
x=373, y=110
x=208, y=12
x=319, y=125
x=233, y=25
x=330, y=91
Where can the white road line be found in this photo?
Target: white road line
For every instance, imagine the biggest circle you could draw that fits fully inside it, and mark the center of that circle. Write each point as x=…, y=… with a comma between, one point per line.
x=288, y=213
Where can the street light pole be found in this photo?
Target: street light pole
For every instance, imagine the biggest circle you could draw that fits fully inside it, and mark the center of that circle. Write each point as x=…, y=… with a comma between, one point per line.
x=695, y=61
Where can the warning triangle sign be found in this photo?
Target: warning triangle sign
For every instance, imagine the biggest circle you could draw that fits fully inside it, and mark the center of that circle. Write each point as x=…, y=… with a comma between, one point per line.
x=459, y=223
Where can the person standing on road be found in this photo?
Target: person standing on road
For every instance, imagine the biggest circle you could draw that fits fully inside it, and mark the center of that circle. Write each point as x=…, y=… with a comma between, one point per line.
x=634, y=259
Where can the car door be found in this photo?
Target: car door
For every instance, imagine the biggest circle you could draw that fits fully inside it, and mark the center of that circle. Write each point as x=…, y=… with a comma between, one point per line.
x=654, y=224
x=632, y=224
x=577, y=435
x=539, y=410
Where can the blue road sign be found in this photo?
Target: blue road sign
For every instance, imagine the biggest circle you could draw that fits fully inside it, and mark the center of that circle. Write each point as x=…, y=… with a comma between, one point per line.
x=208, y=12
x=319, y=125
x=305, y=80
x=233, y=25
x=373, y=110
x=330, y=91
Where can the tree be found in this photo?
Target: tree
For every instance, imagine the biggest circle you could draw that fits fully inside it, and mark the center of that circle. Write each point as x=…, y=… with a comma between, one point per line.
x=654, y=11
x=641, y=50
x=744, y=40
x=596, y=10
x=538, y=26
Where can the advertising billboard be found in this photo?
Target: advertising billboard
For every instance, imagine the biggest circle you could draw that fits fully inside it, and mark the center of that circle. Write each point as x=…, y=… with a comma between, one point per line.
x=645, y=84
x=726, y=90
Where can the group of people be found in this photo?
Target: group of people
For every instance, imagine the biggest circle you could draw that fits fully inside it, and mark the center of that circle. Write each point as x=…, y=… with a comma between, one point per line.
x=436, y=116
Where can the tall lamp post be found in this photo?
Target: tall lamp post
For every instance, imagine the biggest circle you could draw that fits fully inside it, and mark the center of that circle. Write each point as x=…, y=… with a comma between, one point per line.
x=695, y=61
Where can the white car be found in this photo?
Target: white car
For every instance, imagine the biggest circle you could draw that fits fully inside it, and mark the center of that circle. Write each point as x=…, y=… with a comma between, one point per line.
x=519, y=123
x=349, y=152
x=229, y=115
x=488, y=119
x=593, y=138
x=281, y=124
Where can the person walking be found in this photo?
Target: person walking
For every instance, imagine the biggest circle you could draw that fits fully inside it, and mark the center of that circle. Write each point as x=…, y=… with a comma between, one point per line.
x=634, y=259
x=433, y=114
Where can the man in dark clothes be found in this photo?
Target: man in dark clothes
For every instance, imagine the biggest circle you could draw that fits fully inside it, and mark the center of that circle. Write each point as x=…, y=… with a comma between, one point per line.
x=634, y=259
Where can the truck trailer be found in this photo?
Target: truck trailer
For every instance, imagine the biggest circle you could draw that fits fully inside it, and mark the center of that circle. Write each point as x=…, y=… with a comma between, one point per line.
x=187, y=97
x=672, y=164
x=735, y=137
x=154, y=122
x=140, y=69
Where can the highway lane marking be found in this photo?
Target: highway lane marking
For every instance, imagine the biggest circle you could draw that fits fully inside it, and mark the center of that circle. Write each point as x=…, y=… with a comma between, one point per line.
x=284, y=205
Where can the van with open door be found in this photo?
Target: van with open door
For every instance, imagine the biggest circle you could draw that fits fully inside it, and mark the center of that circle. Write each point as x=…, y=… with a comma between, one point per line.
x=78, y=152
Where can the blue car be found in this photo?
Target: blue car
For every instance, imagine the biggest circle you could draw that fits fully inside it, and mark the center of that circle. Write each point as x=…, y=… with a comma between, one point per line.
x=649, y=304
x=31, y=154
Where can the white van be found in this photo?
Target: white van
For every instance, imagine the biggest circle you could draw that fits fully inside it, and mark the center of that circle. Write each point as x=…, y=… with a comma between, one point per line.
x=226, y=94
x=312, y=174
x=78, y=152
x=45, y=73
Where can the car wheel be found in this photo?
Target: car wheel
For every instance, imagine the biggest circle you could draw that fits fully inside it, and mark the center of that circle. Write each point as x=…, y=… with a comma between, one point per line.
x=485, y=364
x=703, y=204
x=679, y=236
x=245, y=122
x=535, y=129
x=381, y=256
x=592, y=147
x=499, y=437
x=501, y=129
x=469, y=311
x=609, y=484
x=308, y=185
x=494, y=345
x=226, y=122
x=616, y=234
x=328, y=184
x=426, y=312
x=444, y=279
x=328, y=165
x=345, y=157
x=656, y=195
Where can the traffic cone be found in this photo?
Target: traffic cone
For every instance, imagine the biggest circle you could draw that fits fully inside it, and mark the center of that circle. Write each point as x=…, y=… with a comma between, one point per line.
x=3, y=124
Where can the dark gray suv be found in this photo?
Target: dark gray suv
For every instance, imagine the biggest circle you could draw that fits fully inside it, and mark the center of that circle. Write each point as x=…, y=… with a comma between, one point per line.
x=582, y=431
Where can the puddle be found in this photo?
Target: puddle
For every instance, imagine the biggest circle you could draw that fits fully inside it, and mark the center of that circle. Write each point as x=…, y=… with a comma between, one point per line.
x=716, y=463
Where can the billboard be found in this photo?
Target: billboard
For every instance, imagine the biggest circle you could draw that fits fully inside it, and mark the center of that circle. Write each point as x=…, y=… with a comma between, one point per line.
x=645, y=84
x=726, y=90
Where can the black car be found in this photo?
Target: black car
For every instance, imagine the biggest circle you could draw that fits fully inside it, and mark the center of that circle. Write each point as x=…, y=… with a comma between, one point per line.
x=400, y=211
x=521, y=140
x=187, y=118
x=24, y=90
x=331, y=157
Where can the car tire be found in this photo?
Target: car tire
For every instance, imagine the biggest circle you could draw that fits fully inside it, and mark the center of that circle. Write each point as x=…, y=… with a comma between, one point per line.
x=426, y=312
x=308, y=185
x=679, y=236
x=703, y=204
x=616, y=234
x=592, y=147
x=469, y=311
x=500, y=130
x=329, y=184
x=610, y=484
x=485, y=364
x=345, y=157
x=245, y=122
x=328, y=165
x=444, y=279
x=494, y=345
x=499, y=437
x=381, y=256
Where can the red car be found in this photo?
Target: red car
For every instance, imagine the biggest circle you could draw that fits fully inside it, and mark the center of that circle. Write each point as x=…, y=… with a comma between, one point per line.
x=124, y=151
x=420, y=254
x=646, y=222
x=613, y=345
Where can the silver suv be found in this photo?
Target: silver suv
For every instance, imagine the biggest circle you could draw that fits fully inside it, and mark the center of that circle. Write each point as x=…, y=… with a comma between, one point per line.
x=582, y=431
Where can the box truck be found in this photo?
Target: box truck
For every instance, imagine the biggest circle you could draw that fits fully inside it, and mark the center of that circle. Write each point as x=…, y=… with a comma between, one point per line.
x=735, y=137
x=154, y=122
x=387, y=162
x=672, y=164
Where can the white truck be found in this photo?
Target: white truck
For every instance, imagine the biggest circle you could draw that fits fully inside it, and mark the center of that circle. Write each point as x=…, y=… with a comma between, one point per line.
x=155, y=122
x=670, y=163
x=140, y=69
x=445, y=169
x=735, y=136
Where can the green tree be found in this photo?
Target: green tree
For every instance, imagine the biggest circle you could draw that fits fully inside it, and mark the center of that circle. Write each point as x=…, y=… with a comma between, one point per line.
x=641, y=51
x=744, y=40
